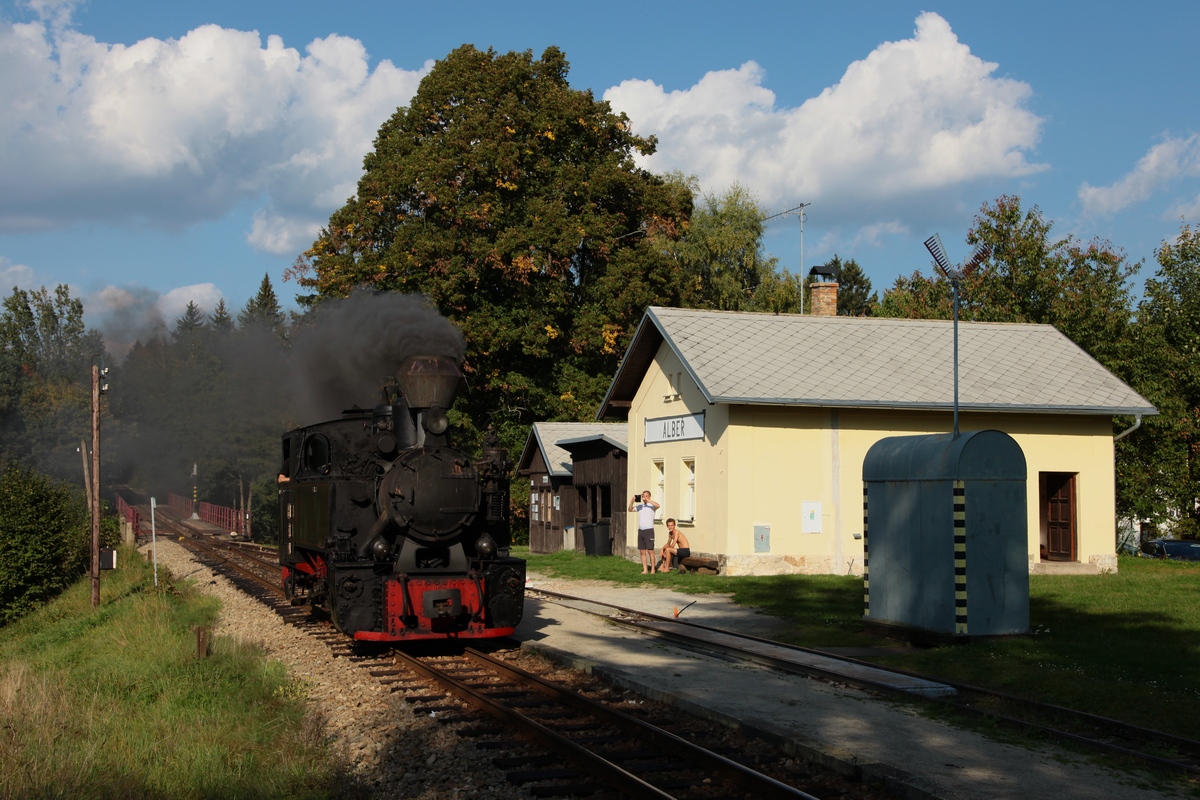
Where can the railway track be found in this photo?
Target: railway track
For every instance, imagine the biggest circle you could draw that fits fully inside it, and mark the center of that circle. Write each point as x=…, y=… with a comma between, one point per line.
x=593, y=747
x=547, y=737
x=247, y=564
x=258, y=575
x=1162, y=751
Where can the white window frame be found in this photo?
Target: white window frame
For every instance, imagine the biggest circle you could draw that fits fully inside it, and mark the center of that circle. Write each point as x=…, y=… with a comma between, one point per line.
x=658, y=480
x=688, y=490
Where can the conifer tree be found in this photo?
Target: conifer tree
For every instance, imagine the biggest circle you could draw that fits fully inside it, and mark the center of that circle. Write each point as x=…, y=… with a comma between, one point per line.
x=191, y=321
x=220, y=320
x=263, y=309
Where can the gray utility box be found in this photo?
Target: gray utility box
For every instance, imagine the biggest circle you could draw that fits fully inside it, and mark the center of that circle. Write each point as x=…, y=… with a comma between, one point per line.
x=945, y=534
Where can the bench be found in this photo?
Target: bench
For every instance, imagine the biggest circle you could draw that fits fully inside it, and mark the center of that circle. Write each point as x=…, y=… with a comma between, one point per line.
x=702, y=566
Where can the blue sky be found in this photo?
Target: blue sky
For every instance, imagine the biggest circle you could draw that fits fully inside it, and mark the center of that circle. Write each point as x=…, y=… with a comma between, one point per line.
x=154, y=153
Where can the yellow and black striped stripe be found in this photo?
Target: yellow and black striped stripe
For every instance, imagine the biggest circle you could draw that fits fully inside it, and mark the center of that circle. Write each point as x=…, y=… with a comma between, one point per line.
x=960, y=557
x=866, y=561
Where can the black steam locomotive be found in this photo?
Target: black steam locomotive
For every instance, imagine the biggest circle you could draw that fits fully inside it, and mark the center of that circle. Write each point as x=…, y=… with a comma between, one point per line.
x=396, y=533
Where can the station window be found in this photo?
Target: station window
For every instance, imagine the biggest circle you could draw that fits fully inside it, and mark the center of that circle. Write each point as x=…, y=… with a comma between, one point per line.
x=658, y=479
x=687, y=509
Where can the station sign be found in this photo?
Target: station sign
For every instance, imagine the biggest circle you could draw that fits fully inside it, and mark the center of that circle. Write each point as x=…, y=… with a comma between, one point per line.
x=675, y=429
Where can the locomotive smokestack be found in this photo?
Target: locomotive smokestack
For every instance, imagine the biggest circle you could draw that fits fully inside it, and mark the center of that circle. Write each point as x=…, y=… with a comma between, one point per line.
x=429, y=381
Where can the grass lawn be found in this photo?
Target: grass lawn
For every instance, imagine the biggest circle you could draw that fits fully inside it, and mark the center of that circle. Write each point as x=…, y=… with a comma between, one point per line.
x=1125, y=646
x=113, y=703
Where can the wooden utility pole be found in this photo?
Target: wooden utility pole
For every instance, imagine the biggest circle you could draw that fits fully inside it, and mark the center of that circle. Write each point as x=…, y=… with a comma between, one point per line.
x=95, y=493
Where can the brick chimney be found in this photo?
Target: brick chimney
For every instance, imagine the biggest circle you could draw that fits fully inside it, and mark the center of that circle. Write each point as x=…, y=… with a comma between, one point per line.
x=824, y=298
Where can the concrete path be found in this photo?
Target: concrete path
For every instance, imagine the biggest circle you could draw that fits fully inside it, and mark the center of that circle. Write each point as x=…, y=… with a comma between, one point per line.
x=843, y=727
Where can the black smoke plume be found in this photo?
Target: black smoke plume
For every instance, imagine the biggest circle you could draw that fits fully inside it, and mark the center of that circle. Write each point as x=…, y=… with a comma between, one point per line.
x=348, y=349
x=222, y=400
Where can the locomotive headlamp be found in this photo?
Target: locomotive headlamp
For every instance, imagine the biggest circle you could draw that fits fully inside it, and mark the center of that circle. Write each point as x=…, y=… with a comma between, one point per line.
x=435, y=421
x=485, y=546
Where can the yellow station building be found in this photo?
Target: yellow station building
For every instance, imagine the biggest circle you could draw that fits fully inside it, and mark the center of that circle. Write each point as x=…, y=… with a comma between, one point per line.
x=751, y=429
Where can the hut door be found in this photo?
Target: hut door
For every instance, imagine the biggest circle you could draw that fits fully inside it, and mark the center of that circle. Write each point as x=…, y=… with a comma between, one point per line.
x=550, y=513
x=1058, y=506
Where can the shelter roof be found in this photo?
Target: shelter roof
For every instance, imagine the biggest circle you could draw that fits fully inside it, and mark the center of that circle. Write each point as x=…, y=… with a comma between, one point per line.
x=550, y=437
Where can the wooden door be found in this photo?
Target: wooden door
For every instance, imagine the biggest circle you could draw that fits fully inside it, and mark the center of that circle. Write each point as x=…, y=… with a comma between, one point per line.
x=1059, y=507
x=541, y=536
x=552, y=519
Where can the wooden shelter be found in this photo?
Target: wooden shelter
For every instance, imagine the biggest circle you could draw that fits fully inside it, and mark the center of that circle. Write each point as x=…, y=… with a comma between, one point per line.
x=558, y=502
x=600, y=474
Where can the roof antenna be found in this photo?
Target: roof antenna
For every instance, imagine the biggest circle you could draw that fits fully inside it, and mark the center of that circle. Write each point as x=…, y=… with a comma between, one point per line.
x=955, y=275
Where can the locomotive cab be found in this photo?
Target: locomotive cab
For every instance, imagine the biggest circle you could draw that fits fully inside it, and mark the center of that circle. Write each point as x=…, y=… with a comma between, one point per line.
x=393, y=530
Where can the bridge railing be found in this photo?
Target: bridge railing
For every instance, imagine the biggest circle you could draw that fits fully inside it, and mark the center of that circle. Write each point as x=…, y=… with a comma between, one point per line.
x=182, y=506
x=228, y=518
x=129, y=513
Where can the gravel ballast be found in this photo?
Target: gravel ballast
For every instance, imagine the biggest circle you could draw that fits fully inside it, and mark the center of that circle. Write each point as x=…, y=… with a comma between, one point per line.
x=389, y=751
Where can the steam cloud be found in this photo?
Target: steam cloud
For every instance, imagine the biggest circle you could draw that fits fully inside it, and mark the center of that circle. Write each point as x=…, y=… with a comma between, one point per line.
x=339, y=356
x=353, y=345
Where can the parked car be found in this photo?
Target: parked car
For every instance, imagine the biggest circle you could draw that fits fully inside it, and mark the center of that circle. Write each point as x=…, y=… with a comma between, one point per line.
x=1177, y=549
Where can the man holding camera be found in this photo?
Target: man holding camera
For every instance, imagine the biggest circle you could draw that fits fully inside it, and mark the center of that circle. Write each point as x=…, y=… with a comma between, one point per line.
x=645, y=508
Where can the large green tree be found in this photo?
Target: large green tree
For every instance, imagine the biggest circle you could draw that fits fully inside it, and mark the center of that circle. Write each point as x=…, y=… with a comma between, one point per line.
x=514, y=203
x=720, y=259
x=1159, y=466
x=1083, y=289
x=45, y=379
x=719, y=253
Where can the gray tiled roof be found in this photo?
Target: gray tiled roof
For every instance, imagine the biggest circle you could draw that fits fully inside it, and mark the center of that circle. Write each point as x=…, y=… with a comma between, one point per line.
x=788, y=359
x=547, y=436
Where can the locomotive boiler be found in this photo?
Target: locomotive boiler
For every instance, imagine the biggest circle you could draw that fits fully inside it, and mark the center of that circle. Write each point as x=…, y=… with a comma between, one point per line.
x=391, y=529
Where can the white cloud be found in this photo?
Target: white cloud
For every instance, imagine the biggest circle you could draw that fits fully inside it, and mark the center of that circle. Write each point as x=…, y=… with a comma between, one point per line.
x=908, y=127
x=15, y=276
x=276, y=234
x=1162, y=165
x=874, y=234
x=178, y=131
x=172, y=304
x=1184, y=209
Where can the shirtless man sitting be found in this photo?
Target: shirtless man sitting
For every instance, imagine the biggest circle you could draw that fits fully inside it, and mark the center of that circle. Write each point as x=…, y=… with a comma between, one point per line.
x=677, y=545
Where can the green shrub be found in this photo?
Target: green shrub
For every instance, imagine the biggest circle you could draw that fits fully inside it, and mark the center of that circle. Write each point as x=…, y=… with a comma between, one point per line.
x=44, y=539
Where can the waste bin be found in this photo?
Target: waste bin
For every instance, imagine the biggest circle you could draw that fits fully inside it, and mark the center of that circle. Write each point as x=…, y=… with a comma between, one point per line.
x=597, y=539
